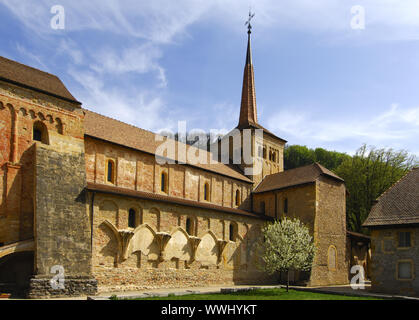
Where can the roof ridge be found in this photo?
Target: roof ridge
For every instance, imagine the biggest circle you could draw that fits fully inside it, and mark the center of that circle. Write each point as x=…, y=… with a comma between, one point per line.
x=288, y=170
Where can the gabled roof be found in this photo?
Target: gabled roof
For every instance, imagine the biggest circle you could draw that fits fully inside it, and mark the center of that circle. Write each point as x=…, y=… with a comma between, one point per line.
x=34, y=79
x=114, y=131
x=294, y=177
x=399, y=204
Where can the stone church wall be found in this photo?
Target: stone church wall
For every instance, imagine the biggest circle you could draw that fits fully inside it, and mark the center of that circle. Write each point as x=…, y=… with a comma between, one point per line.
x=136, y=170
x=20, y=109
x=140, y=262
x=62, y=229
x=321, y=207
x=331, y=262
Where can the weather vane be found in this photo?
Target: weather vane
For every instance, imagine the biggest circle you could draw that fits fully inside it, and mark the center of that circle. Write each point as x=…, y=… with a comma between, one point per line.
x=249, y=26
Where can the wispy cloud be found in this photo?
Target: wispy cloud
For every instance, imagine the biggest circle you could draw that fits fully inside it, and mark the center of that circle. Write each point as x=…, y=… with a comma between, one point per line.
x=395, y=126
x=161, y=21
x=121, y=104
x=140, y=59
x=122, y=74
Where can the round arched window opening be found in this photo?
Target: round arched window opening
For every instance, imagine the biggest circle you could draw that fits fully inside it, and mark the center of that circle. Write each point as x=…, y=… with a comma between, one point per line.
x=164, y=182
x=237, y=197
x=332, y=258
x=40, y=132
x=232, y=232
x=132, y=221
x=206, y=192
x=110, y=171
x=189, y=226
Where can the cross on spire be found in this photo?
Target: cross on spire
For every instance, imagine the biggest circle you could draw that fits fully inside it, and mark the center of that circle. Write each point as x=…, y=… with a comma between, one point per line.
x=248, y=110
x=249, y=26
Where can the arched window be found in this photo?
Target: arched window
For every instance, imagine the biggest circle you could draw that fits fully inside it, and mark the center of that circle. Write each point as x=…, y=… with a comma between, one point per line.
x=132, y=220
x=189, y=226
x=332, y=258
x=110, y=171
x=274, y=156
x=286, y=205
x=237, y=197
x=206, y=192
x=232, y=232
x=164, y=182
x=264, y=152
x=40, y=132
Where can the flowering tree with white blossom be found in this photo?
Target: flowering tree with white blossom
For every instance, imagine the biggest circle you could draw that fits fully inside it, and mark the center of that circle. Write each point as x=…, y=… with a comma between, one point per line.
x=287, y=245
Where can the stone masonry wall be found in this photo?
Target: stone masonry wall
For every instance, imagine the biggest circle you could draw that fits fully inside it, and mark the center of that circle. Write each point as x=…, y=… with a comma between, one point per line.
x=62, y=230
x=20, y=109
x=137, y=170
x=138, y=263
x=384, y=259
x=331, y=260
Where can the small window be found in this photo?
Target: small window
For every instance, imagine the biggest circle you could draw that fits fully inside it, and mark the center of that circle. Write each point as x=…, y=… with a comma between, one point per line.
x=37, y=134
x=232, y=232
x=40, y=132
x=404, y=240
x=132, y=218
x=189, y=226
x=110, y=174
x=404, y=270
x=237, y=197
x=262, y=207
x=206, y=192
x=264, y=152
x=286, y=205
x=331, y=258
x=164, y=182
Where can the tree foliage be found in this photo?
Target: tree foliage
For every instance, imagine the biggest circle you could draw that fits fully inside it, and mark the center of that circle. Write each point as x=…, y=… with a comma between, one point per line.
x=297, y=156
x=287, y=245
x=367, y=175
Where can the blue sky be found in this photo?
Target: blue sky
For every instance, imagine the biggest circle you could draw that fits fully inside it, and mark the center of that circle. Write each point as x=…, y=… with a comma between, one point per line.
x=319, y=82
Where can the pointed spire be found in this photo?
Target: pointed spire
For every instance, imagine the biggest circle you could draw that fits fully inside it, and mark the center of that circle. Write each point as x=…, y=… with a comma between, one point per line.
x=248, y=110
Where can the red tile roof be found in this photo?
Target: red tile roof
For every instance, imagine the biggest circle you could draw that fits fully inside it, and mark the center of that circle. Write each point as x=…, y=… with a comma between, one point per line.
x=398, y=205
x=293, y=177
x=34, y=79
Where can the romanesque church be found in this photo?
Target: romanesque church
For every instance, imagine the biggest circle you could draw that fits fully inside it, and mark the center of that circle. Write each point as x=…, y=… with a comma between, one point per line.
x=82, y=198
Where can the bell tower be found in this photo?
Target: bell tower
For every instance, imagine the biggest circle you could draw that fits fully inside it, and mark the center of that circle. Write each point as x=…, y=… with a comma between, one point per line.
x=266, y=149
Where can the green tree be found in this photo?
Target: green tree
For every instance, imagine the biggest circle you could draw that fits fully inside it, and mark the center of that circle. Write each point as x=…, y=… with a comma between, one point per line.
x=297, y=156
x=286, y=245
x=367, y=175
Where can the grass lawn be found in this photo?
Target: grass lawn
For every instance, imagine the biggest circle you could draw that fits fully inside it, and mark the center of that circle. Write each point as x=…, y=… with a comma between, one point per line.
x=263, y=294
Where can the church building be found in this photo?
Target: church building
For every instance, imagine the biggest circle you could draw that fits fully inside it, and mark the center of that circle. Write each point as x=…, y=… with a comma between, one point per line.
x=86, y=208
